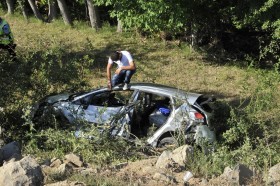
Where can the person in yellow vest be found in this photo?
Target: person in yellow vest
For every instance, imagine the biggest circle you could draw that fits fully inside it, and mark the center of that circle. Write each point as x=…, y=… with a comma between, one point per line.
x=6, y=38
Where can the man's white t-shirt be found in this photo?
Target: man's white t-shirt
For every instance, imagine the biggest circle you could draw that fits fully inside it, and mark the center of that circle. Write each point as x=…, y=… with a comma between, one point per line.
x=126, y=58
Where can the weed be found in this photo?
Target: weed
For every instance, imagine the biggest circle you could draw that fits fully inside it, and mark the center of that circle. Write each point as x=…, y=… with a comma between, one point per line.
x=54, y=58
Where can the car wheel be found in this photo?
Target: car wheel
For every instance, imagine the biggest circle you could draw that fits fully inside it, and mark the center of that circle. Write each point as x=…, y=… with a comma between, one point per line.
x=167, y=142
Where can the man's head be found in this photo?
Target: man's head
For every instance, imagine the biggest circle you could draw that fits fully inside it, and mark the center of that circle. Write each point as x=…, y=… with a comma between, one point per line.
x=116, y=55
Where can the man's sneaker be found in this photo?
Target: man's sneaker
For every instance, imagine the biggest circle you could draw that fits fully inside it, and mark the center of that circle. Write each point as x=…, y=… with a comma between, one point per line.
x=125, y=87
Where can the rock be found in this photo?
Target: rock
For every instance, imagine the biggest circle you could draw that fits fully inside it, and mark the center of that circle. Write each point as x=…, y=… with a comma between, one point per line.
x=164, y=159
x=74, y=159
x=23, y=172
x=274, y=175
x=64, y=169
x=46, y=162
x=55, y=162
x=89, y=171
x=10, y=149
x=239, y=175
x=164, y=177
x=46, y=169
x=174, y=160
x=244, y=173
x=13, y=158
x=180, y=154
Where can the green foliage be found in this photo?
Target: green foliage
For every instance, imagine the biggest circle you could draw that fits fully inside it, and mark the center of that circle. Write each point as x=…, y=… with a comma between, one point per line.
x=201, y=163
x=98, y=148
x=260, y=16
x=252, y=133
x=151, y=17
x=240, y=28
x=209, y=21
x=57, y=58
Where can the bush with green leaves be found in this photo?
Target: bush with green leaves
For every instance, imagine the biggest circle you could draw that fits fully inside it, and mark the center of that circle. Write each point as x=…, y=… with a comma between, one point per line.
x=95, y=147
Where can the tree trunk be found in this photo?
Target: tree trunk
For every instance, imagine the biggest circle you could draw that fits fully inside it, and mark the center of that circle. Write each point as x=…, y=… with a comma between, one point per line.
x=52, y=10
x=35, y=10
x=93, y=15
x=11, y=6
x=119, y=27
x=23, y=9
x=64, y=12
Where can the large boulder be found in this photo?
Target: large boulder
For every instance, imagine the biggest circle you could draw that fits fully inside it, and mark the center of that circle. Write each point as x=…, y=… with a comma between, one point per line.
x=164, y=159
x=10, y=150
x=23, y=172
x=274, y=175
x=76, y=160
x=181, y=154
x=63, y=170
x=240, y=174
x=175, y=159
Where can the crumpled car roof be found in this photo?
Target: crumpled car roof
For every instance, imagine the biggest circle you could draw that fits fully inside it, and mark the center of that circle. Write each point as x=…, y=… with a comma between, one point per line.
x=166, y=90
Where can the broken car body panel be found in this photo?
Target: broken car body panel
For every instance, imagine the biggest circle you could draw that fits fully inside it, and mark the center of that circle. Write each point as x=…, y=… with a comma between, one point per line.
x=142, y=107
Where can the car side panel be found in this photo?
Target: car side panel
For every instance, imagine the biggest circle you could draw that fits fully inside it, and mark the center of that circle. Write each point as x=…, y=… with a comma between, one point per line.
x=99, y=114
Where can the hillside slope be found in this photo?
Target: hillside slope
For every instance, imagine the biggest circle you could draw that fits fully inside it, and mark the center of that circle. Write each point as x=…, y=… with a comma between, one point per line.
x=55, y=58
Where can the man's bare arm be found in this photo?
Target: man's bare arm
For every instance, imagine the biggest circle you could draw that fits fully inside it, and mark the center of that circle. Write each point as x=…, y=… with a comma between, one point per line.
x=109, y=83
x=130, y=67
x=109, y=66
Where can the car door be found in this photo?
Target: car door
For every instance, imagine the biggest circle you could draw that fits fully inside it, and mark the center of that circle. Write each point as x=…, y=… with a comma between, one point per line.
x=98, y=110
x=101, y=107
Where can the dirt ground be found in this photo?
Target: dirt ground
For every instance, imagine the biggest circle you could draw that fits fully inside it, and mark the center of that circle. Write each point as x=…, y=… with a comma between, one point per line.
x=144, y=172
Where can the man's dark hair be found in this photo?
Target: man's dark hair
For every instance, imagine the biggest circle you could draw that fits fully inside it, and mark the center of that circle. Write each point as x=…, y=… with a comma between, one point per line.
x=115, y=56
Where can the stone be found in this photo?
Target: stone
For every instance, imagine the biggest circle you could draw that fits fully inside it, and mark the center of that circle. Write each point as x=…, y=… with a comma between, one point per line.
x=240, y=174
x=10, y=149
x=174, y=160
x=23, y=172
x=74, y=159
x=55, y=162
x=64, y=169
x=164, y=159
x=164, y=177
x=274, y=175
x=180, y=154
x=13, y=158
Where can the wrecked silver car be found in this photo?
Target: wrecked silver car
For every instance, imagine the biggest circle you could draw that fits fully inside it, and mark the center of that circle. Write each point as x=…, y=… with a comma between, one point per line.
x=157, y=112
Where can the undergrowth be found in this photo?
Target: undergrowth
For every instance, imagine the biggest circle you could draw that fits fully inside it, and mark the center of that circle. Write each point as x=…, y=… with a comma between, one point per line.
x=57, y=59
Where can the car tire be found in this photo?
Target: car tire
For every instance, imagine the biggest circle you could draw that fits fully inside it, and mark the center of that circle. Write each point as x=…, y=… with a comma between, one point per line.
x=167, y=142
